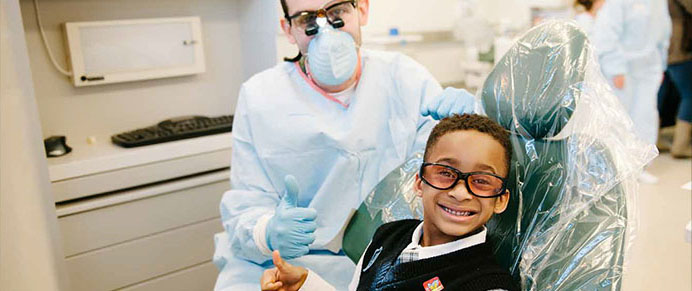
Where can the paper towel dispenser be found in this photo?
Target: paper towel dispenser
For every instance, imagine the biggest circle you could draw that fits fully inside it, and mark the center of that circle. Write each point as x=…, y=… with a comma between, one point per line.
x=105, y=52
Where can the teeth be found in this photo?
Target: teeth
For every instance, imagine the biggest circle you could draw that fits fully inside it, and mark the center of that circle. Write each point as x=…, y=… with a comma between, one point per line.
x=457, y=213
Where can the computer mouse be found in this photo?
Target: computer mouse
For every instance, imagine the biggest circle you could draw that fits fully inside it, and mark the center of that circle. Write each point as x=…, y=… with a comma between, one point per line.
x=56, y=146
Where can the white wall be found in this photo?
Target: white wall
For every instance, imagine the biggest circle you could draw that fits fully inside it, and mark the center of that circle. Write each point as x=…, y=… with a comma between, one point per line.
x=109, y=109
x=411, y=15
x=439, y=15
x=31, y=256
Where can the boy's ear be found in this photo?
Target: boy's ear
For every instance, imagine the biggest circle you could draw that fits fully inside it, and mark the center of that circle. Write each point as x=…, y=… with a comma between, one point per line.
x=501, y=202
x=417, y=186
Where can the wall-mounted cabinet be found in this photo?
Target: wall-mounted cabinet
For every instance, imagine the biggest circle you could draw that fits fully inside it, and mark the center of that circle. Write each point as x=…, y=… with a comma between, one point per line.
x=105, y=52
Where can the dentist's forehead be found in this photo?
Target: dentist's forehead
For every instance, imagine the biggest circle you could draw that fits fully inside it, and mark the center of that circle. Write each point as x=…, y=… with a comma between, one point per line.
x=295, y=6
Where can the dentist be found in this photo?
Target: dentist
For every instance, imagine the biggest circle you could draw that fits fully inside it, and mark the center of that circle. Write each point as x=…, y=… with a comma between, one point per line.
x=313, y=135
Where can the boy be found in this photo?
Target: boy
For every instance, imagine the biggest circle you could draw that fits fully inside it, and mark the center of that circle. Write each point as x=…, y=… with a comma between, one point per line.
x=462, y=184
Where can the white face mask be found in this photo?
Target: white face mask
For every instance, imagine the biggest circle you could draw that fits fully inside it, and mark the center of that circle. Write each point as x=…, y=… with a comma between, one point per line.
x=332, y=56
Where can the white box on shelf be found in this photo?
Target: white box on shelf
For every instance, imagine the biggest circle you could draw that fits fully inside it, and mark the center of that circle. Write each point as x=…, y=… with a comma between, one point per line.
x=104, y=52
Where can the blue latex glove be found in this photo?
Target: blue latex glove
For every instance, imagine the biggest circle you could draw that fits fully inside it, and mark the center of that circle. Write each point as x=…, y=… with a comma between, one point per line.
x=292, y=228
x=451, y=101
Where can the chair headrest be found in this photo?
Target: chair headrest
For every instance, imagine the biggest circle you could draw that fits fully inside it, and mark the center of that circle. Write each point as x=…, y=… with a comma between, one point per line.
x=533, y=89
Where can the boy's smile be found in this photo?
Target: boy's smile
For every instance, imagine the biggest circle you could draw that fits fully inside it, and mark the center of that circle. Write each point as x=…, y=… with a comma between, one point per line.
x=453, y=213
x=457, y=213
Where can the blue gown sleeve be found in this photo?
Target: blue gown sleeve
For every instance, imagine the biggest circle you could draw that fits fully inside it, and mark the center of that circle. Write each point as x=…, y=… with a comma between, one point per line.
x=430, y=89
x=252, y=194
x=416, y=82
x=607, y=34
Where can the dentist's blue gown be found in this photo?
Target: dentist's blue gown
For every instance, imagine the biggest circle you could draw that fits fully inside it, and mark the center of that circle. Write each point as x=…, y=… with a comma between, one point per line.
x=284, y=125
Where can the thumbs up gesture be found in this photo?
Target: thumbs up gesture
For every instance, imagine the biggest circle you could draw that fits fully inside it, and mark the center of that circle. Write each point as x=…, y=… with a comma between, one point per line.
x=292, y=228
x=284, y=276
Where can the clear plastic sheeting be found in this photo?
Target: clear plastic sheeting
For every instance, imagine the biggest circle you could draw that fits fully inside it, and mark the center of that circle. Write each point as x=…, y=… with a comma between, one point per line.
x=573, y=174
x=394, y=197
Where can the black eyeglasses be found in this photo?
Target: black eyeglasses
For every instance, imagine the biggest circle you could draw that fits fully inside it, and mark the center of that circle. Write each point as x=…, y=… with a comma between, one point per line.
x=334, y=13
x=479, y=184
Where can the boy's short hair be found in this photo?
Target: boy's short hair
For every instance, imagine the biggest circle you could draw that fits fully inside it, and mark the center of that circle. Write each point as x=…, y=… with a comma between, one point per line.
x=470, y=122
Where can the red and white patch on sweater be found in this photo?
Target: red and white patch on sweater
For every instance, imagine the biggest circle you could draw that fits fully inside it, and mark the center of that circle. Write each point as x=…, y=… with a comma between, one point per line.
x=433, y=284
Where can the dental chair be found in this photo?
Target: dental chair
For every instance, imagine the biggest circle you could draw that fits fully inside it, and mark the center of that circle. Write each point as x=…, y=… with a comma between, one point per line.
x=575, y=159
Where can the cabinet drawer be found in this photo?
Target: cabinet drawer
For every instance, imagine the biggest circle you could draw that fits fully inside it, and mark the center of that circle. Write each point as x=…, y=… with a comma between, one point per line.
x=89, y=185
x=198, y=278
x=127, y=216
x=140, y=260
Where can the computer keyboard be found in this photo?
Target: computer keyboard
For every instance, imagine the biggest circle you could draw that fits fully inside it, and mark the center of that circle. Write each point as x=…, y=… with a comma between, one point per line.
x=174, y=129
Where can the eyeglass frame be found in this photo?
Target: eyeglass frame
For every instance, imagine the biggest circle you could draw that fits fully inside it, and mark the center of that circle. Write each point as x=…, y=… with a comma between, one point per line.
x=465, y=176
x=323, y=11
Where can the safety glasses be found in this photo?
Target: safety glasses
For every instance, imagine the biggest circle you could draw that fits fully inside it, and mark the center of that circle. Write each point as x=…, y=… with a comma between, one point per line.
x=334, y=13
x=479, y=184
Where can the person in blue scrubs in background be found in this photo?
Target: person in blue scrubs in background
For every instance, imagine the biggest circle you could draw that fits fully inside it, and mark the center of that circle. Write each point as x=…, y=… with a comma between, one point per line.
x=631, y=38
x=312, y=137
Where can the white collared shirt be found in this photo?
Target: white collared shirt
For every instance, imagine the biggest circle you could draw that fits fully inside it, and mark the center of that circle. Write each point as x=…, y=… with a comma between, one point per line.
x=315, y=282
x=443, y=249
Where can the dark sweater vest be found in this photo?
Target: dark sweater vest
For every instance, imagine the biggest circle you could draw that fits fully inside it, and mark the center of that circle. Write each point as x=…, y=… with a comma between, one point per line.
x=472, y=268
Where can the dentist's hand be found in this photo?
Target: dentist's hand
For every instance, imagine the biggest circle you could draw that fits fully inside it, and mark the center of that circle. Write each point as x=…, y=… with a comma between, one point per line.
x=451, y=101
x=284, y=276
x=292, y=228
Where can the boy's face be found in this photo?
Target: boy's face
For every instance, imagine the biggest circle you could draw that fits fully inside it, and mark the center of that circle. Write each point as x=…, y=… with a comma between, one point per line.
x=467, y=151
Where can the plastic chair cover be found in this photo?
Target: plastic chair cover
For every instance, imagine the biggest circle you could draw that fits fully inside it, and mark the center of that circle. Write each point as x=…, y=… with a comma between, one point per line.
x=573, y=174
